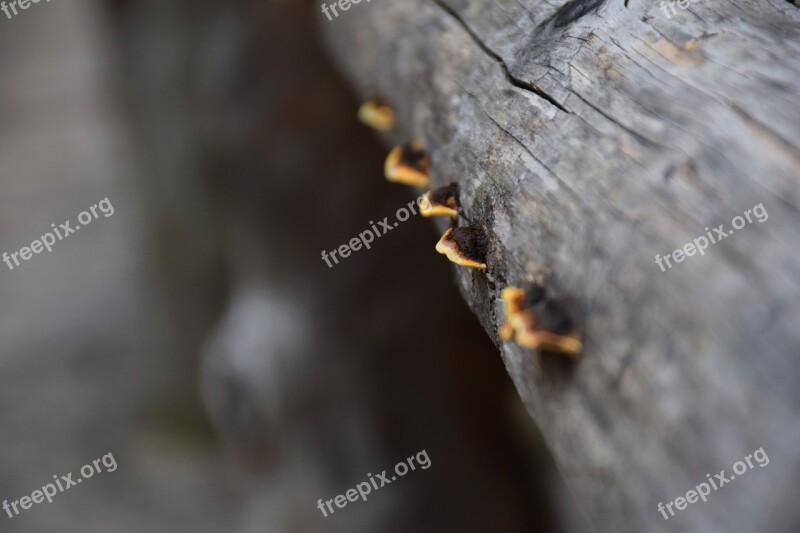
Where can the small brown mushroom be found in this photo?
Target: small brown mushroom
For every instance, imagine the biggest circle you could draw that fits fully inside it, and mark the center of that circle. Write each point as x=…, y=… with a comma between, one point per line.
x=536, y=321
x=440, y=202
x=465, y=246
x=377, y=114
x=408, y=164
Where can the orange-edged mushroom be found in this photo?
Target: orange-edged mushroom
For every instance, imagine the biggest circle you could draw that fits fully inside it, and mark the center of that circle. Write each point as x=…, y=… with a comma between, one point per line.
x=465, y=246
x=408, y=164
x=377, y=114
x=440, y=202
x=536, y=321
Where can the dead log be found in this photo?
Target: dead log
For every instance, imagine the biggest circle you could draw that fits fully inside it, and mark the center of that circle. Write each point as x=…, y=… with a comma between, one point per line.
x=589, y=137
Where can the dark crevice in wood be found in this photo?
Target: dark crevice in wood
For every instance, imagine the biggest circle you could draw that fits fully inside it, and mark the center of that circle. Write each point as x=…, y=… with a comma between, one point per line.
x=513, y=80
x=572, y=11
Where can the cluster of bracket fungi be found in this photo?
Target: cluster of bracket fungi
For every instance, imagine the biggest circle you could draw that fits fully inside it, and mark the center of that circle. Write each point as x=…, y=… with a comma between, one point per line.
x=534, y=319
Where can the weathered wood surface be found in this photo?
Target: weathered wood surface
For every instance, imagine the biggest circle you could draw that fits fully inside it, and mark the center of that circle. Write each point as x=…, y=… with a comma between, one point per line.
x=588, y=137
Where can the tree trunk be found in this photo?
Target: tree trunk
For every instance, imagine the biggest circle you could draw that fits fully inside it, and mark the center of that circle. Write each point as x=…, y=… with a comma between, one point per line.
x=587, y=137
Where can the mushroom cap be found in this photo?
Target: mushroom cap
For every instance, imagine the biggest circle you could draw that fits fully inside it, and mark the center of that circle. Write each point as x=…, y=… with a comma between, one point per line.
x=440, y=202
x=465, y=246
x=377, y=114
x=408, y=164
x=538, y=322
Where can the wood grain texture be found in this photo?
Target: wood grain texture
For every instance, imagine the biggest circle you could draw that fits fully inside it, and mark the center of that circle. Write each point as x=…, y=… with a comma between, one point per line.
x=587, y=137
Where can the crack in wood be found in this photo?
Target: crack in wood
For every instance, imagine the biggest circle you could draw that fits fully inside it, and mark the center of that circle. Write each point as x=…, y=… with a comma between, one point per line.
x=572, y=11
x=513, y=80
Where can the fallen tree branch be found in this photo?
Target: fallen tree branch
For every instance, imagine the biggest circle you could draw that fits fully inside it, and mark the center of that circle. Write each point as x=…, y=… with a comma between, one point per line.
x=589, y=138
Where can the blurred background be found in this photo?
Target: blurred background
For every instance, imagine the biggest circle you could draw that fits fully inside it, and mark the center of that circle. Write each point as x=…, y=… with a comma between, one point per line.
x=196, y=334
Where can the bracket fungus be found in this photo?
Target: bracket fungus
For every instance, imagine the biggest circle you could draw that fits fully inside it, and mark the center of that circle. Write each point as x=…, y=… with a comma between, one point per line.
x=465, y=246
x=536, y=321
x=408, y=164
x=440, y=202
x=377, y=114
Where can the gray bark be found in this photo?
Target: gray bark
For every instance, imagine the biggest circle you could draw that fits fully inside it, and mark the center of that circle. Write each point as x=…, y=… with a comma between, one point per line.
x=587, y=137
